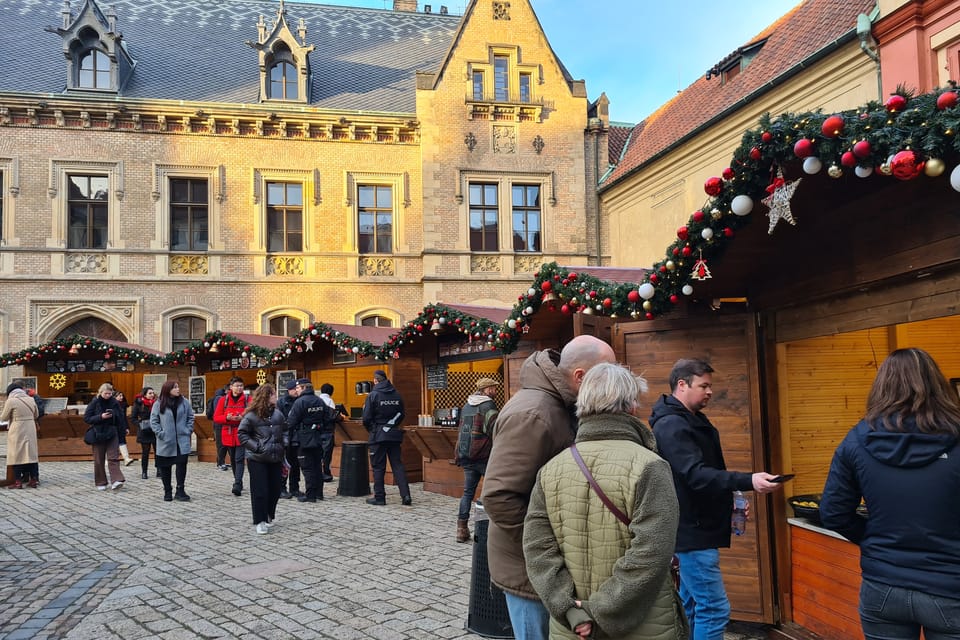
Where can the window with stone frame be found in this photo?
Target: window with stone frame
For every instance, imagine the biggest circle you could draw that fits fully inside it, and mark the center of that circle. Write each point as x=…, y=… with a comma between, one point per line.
x=374, y=219
x=376, y=321
x=189, y=214
x=93, y=70
x=283, y=75
x=503, y=77
x=186, y=330
x=478, y=85
x=87, y=211
x=527, y=218
x=285, y=326
x=484, y=217
x=284, y=217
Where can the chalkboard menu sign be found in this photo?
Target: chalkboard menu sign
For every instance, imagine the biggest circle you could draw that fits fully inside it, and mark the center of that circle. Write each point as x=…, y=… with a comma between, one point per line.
x=436, y=376
x=198, y=393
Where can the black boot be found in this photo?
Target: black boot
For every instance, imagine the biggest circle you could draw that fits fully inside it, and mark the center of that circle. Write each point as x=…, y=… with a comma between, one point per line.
x=181, y=495
x=167, y=495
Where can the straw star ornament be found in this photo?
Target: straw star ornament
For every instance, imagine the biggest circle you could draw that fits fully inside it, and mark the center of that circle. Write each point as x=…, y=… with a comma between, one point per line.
x=778, y=201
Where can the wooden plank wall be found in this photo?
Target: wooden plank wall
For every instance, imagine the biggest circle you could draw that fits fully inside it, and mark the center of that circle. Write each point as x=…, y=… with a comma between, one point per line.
x=825, y=584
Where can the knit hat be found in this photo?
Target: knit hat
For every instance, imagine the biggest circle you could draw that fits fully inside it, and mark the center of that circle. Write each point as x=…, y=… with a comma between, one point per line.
x=380, y=373
x=483, y=383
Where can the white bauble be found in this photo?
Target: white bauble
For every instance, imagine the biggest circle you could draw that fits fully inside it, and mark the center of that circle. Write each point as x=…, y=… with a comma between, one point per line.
x=863, y=172
x=707, y=233
x=742, y=205
x=812, y=165
x=687, y=290
x=955, y=178
x=646, y=290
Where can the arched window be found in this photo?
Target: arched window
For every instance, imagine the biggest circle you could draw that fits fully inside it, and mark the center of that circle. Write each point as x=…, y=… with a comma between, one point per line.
x=285, y=326
x=187, y=330
x=92, y=328
x=376, y=321
x=94, y=70
x=283, y=81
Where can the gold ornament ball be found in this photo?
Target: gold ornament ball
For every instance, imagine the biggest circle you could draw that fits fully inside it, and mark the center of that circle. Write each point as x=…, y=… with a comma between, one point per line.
x=948, y=132
x=834, y=171
x=634, y=314
x=716, y=214
x=670, y=265
x=934, y=167
x=885, y=169
x=647, y=305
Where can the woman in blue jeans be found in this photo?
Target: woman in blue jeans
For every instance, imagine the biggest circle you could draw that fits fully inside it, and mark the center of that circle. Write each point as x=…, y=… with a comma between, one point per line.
x=903, y=459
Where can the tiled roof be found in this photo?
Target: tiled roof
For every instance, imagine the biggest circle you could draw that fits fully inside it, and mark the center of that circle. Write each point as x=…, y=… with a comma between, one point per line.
x=260, y=340
x=374, y=335
x=808, y=28
x=194, y=50
x=619, y=134
x=493, y=314
x=618, y=275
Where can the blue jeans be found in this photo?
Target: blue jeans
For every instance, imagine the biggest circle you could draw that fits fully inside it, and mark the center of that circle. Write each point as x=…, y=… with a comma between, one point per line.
x=472, y=473
x=894, y=613
x=529, y=618
x=703, y=595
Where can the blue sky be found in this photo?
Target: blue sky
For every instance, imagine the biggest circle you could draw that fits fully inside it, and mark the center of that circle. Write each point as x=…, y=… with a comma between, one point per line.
x=640, y=52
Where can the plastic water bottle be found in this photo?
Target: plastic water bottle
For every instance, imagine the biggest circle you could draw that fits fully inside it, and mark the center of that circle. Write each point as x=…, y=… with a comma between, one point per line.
x=738, y=523
x=479, y=514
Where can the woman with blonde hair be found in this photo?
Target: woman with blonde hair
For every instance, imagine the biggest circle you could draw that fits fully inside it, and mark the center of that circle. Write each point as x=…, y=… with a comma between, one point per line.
x=107, y=421
x=171, y=419
x=262, y=434
x=599, y=534
x=903, y=459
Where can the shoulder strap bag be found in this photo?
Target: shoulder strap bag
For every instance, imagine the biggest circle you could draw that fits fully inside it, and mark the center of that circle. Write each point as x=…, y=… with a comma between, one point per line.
x=621, y=516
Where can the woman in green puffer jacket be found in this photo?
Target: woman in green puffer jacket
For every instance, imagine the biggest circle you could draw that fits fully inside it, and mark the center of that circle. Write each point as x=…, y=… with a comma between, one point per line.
x=597, y=576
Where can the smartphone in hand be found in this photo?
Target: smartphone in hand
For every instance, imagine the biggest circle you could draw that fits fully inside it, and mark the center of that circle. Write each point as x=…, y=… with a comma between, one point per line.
x=783, y=478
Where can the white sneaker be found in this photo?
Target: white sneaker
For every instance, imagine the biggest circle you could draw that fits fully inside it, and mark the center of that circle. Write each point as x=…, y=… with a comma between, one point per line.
x=129, y=461
x=101, y=487
x=262, y=528
x=270, y=524
x=116, y=485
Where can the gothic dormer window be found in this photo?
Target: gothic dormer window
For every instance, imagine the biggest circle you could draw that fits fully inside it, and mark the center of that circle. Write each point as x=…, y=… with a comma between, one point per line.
x=284, y=60
x=97, y=59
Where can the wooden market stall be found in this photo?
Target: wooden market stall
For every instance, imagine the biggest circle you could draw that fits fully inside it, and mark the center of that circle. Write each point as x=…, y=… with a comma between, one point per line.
x=346, y=356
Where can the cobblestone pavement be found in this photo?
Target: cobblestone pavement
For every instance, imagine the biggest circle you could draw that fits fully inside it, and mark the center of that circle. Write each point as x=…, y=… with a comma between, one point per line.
x=79, y=563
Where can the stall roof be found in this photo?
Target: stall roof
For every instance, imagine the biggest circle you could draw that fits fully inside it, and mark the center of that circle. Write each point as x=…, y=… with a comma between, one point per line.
x=129, y=346
x=494, y=314
x=60, y=349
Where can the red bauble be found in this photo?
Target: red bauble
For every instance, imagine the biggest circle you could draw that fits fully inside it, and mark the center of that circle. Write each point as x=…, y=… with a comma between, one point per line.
x=683, y=232
x=663, y=268
x=653, y=278
x=803, y=148
x=633, y=296
x=766, y=136
x=565, y=309
x=607, y=302
x=649, y=315
x=728, y=232
x=698, y=216
x=593, y=294
x=755, y=154
x=546, y=285
x=572, y=276
x=674, y=299
x=686, y=252
x=727, y=174
x=947, y=100
x=848, y=159
x=832, y=127
x=556, y=277
x=713, y=186
x=565, y=282
x=676, y=251
x=905, y=165
x=895, y=103
x=862, y=149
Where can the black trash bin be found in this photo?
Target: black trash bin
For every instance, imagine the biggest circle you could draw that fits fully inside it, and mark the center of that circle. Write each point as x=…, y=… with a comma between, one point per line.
x=488, y=616
x=354, y=469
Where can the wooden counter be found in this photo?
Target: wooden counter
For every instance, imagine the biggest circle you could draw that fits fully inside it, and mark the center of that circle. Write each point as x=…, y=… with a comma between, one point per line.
x=438, y=447
x=825, y=581
x=354, y=430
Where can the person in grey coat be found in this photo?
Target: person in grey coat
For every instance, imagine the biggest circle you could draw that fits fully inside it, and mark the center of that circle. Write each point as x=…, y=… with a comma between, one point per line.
x=172, y=422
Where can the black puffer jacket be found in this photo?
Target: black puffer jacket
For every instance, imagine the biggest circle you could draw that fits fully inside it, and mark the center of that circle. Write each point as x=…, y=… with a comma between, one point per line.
x=98, y=406
x=264, y=440
x=704, y=486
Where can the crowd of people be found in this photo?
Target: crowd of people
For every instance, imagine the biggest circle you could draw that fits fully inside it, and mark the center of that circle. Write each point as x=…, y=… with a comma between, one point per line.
x=600, y=526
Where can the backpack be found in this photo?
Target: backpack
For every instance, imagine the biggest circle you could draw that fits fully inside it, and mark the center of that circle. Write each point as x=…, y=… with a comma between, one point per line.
x=473, y=441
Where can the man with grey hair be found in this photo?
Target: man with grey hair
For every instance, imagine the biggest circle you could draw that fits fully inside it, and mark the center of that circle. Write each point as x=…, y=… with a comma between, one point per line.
x=534, y=425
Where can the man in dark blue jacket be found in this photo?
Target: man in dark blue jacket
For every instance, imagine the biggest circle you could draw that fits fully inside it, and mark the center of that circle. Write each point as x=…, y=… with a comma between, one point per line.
x=285, y=403
x=383, y=416
x=691, y=445
x=307, y=418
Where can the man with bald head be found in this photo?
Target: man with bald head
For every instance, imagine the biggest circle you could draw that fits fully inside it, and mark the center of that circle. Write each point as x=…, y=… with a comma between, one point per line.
x=537, y=423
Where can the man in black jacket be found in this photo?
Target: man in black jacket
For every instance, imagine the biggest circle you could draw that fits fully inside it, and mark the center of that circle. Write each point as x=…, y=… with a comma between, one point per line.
x=308, y=416
x=383, y=416
x=293, y=449
x=691, y=445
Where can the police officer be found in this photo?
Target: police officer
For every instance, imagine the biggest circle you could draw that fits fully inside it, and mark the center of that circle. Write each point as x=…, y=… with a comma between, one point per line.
x=383, y=416
x=307, y=417
x=293, y=476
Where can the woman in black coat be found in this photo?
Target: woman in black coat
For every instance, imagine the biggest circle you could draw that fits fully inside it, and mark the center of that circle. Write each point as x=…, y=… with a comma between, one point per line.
x=262, y=435
x=140, y=414
x=107, y=419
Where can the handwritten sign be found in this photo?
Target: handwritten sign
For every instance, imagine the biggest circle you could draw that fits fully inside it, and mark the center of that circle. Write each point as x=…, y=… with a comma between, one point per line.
x=436, y=376
x=198, y=393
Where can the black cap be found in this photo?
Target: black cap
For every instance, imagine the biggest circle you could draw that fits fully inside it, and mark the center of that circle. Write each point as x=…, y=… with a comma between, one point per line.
x=379, y=373
x=291, y=385
x=304, y=381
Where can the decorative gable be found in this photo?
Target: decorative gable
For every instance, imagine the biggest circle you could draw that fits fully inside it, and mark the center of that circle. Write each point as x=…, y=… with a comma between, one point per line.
x=284, y=61
x=97, y=59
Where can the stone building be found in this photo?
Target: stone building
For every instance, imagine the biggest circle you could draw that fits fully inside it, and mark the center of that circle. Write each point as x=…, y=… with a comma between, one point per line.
x=172, y=167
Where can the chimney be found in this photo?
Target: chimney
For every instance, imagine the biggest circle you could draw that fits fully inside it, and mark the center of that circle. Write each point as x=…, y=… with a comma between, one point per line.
x=427, y=8
x=405, y=5
x=443, y=10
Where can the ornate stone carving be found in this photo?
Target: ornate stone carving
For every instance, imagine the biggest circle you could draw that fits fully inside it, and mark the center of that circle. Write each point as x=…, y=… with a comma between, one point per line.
x=470, y=141
x=504, y=140
x=284, y=265
x=86, y=263
x=501, y=10
x=485, y=264
x=538, y=144
x=189, y=265
x=377, y=266
x=527, y=264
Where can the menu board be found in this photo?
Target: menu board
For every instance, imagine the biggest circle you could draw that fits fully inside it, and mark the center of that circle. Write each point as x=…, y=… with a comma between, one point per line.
x=198, y=393
x=436, y=376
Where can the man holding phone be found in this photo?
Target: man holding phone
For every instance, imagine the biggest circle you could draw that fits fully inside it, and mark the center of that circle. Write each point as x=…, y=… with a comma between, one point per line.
x=705, y=487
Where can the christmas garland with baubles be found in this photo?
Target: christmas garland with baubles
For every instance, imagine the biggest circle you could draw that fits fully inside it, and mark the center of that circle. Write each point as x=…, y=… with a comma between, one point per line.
x=904, y=138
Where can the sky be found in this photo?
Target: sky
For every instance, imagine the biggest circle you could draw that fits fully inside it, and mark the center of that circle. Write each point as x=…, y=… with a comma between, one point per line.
x=640, y=52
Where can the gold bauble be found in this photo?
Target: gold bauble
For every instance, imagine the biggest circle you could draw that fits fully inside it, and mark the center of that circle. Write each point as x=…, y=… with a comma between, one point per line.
x=670, y=265
x=647, y=305
x=934, y=167
x=885, y=169
x=834, y=171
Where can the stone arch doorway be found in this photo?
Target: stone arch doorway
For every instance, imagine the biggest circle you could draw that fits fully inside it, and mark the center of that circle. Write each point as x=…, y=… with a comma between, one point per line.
x=92, y=328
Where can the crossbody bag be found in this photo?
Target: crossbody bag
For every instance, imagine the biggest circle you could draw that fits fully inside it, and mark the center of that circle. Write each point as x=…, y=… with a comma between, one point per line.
x=621, y=516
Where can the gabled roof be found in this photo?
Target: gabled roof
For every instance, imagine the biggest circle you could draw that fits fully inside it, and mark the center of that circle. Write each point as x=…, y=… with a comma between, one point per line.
x=810, y=28
x=194, y=50
x=617, y=140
